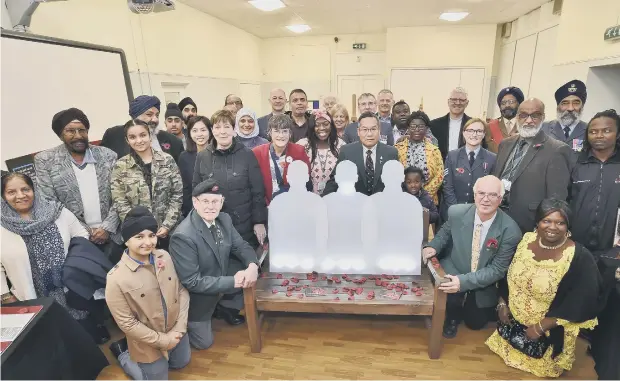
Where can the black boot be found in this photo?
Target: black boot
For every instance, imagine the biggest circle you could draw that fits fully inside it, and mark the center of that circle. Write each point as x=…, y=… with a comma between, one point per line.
x=119, y=347
x=450, y=328
x=231, y=316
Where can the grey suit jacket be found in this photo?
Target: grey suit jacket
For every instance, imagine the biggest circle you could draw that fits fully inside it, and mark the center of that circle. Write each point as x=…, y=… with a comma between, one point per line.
x=554, y=129
x=453, y=246
x=459, y=178
x=354, y=152
x=386, y=134
x=263, y=126
x=203, y=266
x=56, y=180
x=544, y=172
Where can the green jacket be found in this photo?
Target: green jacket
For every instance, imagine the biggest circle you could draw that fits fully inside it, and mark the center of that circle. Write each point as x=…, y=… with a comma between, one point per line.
x=453, y=246
x=129, y=189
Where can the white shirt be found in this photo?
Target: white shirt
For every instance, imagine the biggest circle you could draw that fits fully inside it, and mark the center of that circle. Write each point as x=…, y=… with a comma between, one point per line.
x=373, y=155
x=474, y=151
x=485, y=227
x=89, y=192
x=209, y=223
x=455, y=131
x=154, y=141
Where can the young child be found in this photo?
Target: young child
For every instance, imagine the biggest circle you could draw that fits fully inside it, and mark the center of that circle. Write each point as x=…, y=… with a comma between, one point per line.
x=148, y=303
x=414, y=184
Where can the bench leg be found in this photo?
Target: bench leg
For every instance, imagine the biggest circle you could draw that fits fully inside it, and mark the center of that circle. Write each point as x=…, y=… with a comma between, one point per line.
x=437, y=320
x=252, y=319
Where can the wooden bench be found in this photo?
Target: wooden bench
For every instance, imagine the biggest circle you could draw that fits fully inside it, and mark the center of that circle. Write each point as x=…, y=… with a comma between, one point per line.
x=431, y=303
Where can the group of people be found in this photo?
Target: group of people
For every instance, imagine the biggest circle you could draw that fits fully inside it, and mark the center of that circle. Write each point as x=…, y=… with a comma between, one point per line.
x=182, y=211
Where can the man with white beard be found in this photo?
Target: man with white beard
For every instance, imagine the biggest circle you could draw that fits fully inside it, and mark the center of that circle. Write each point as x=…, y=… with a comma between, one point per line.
x=532, y=166
x=569, y=128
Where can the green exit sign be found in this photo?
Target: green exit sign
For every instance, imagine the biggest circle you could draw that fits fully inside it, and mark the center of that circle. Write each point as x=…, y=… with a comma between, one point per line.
x=359, y=45
x=612, y=33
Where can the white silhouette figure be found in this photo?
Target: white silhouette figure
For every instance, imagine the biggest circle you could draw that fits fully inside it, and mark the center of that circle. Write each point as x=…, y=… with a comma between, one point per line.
x=397, y=220
x=297, y=225
x=345, y=214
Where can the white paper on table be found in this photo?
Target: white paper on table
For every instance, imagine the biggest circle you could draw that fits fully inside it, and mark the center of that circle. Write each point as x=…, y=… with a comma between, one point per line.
x=13, y=325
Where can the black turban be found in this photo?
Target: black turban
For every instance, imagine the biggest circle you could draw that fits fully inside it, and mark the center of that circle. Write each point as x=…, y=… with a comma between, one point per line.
x=142, y=103
x=187, y=101
x=173, y=110
x=137, y=220
x=64, y=117
x=574, y=87
x=515, y=91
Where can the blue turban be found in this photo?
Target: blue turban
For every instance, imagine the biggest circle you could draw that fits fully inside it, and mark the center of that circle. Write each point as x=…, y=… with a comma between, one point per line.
x=142, y=103
x=574, y=87
x=515, y=91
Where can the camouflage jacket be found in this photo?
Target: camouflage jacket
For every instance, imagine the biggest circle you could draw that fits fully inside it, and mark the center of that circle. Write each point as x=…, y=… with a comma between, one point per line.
x=129, y=188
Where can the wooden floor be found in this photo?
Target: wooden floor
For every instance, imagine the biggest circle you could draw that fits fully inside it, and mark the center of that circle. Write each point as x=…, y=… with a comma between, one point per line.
x=301, y=346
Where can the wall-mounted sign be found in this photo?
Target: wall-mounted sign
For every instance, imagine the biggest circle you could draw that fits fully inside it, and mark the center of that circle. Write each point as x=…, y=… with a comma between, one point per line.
x=612, y=33
x=359, y=45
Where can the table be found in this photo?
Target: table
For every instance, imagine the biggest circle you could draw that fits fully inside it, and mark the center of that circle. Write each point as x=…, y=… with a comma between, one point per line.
x=52, y=346
x=431, y=303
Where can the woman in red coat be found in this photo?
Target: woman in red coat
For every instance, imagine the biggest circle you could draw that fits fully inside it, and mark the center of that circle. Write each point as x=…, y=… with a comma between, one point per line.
x=275, y=157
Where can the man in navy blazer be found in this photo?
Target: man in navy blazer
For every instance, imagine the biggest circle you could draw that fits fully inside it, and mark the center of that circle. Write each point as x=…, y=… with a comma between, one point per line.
x=369, y=155
x=568, y=127
x=475, y=247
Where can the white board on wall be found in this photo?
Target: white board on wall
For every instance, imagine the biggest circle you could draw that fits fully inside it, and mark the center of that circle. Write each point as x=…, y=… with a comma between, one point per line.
x=41, y=76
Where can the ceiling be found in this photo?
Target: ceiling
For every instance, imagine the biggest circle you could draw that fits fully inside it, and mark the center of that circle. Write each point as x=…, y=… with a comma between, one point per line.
x=358, y=16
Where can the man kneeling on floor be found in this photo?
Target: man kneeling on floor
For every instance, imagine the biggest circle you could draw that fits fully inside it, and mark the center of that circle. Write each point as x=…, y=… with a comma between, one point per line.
x=148, y=303
x=475, y=248
x=201, y=247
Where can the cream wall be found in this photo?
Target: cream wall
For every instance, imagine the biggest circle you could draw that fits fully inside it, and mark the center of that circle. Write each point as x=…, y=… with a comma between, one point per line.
x=546, y=50
x=182, y=50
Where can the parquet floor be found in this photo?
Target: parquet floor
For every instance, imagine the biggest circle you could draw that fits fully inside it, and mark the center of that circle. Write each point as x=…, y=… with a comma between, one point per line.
x=302, y=346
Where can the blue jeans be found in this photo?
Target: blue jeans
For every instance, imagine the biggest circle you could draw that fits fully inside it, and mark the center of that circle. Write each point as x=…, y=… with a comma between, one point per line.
x=178, y=358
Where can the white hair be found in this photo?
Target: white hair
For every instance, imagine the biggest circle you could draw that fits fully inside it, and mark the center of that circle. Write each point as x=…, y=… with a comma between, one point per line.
x=460, y=90
x=502, y=190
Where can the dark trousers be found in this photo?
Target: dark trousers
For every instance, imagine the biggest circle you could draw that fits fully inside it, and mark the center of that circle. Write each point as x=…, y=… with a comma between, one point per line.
x=462, y=307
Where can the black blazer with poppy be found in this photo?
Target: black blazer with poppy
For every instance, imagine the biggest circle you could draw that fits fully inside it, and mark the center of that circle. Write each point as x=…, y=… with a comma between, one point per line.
x=453, y=245
x=114, y=139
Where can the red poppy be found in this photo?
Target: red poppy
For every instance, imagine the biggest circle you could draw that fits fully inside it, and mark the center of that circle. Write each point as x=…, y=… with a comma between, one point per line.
x=492, y=243
x=460, y=170
x=165, y=146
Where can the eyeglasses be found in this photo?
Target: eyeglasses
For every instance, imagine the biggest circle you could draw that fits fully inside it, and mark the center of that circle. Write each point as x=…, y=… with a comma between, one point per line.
x=508, y=102
x=236, y=103
x=534, y=116
x=75, y=131
x=492, y=196
x=474, y=132
x=457, y=100
x=283, y=131
x=417, y=127
x=213, y=203
x=366, y=131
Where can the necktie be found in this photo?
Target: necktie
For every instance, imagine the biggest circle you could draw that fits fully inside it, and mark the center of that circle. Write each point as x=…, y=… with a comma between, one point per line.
x=566, y=132
x=370, y=171
x=475, y=247
x=471, y=159
x=215, y=234
x=512, y=166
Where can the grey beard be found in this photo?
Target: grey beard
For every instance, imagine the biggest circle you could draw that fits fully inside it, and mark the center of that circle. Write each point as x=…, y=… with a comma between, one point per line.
x=567, y=118
x=528, y=132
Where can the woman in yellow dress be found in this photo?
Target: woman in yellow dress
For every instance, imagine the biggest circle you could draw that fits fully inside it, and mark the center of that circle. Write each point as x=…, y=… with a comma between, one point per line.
x=418, y=151
x=552, y=290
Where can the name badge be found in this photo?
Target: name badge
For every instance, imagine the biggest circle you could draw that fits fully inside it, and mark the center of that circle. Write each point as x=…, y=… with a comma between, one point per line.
x=577, y=145
x=383, y=139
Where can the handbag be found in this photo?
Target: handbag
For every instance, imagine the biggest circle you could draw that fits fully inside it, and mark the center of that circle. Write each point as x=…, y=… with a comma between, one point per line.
x=514, y=334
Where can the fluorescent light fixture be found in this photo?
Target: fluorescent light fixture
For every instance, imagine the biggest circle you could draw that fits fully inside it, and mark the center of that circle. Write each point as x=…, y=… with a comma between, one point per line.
x=453, y=16
x=267, y=5
x=298, y=28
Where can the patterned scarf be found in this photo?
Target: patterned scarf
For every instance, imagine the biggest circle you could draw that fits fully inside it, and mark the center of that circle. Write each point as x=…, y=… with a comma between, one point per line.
x=416, y=157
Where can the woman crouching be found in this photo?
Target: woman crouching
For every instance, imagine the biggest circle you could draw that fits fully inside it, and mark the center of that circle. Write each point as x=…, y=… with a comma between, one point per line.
x=148, y=303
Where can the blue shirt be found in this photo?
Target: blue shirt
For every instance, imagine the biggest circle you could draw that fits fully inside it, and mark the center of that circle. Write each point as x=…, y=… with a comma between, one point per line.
x=88, y=159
